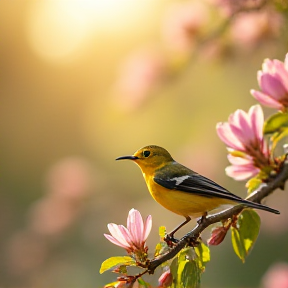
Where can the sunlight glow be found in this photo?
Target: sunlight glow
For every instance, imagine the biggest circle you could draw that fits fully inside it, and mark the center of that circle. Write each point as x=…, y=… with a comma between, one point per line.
x=58, y=31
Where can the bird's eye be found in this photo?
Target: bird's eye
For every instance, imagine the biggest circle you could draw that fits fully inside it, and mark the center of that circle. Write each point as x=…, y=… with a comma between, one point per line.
x=146, y=153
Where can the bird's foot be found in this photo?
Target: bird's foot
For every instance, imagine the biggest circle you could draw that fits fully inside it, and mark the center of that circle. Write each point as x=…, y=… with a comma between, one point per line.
x=170, y=240
x=194, y=241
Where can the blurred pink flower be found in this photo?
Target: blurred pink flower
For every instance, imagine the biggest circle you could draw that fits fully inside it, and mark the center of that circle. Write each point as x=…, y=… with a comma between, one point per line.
x=183, y=23
x=139, y=75
x=52, y=215
x=165, y=280
x=276, y=276
x=273, y=81
x=229, y=7
x=26, y=251
x=71, y=178
x=134, y=236
x=243, y=134
x=250, y=28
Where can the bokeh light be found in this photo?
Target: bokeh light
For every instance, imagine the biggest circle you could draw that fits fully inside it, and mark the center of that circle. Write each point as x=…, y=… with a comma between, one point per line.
x=59, y=31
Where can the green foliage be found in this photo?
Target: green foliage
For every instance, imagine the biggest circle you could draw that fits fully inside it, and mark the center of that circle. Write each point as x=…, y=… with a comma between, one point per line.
x=277, y=136
x=277, y=125
x=117, y=261
x=203, y=253
x=253, y=184
x=275, y=122
x=162, y=246
x=188, y=266
x=143, y=283
x=245, y=233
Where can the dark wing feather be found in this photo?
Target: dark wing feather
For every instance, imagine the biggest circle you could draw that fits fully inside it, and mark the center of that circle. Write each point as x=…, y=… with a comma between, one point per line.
x=186, y=180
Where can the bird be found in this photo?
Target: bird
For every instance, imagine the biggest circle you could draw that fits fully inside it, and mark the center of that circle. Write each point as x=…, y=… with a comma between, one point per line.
x=182, y=190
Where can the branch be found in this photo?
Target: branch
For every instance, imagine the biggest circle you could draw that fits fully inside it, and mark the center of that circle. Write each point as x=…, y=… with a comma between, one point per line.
x=273, y=184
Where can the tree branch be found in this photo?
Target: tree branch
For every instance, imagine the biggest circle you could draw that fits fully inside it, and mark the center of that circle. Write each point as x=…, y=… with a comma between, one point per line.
x=264, y=191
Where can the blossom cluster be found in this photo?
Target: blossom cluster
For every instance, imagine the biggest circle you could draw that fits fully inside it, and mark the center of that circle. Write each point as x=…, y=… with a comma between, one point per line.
x=249, y=152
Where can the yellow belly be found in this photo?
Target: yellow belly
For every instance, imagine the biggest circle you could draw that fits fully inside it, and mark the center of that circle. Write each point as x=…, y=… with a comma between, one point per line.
x=184, y=203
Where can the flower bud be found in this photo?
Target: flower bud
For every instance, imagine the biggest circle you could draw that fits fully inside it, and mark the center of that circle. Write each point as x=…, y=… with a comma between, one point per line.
x=165, y=280
x=217, y=236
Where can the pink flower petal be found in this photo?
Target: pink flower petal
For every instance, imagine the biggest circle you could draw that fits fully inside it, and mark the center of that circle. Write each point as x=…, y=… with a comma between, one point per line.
x=242, y=172
x=286, y=62
x=135, y=226
x=132, y=238
x=166, y=279
x=257, y=121
x=126, y=234
x=270, y=85
x=265, y=99
x=115, y=241
x=225, y=134
x=240, y=119
x=239, y=160
x=147, y=227
x=241, y=135
x=281, y=73
x=117, y=234
x=268, y=66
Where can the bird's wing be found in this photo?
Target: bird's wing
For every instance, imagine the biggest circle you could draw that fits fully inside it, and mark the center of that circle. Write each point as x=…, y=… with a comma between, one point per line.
x=183, y=179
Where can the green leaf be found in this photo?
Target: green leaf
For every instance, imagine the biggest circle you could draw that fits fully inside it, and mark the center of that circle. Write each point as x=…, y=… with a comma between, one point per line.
x=191, y=275
x=253, y=184
x=185, y=269
x=173, y=270
x=275, y=123
x=143, y=283
x=160, y=248
x=245, y=234
x=203, y=253
x=277, y=136
x=117, y=260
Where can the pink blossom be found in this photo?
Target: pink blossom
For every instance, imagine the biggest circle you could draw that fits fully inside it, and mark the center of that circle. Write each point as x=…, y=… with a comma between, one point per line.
x=273, y=81
x=165, y=280
x=230, y=7
x=134, y=236
x=139, y=75
x=183, y=23
x=276, y=276
x=243, y=134
x=249, y=29
x=243, y=131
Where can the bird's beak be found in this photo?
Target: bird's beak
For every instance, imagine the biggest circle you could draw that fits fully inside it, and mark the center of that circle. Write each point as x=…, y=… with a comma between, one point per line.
x=127, y=157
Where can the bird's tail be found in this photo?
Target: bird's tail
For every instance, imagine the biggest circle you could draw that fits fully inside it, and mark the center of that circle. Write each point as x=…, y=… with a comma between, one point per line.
x=259, y=206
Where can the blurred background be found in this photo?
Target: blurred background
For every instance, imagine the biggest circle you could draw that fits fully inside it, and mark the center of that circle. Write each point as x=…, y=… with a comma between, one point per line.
x=83, y=82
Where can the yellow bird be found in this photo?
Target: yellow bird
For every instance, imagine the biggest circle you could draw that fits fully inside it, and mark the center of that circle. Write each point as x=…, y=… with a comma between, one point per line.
x=181, y=190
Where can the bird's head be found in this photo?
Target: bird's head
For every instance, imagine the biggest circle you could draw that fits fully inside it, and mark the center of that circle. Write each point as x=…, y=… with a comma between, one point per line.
x=149, y=157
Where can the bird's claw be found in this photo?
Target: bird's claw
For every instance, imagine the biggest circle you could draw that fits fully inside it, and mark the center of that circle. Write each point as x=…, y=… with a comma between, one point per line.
x=193, y=242
x=170, y=240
